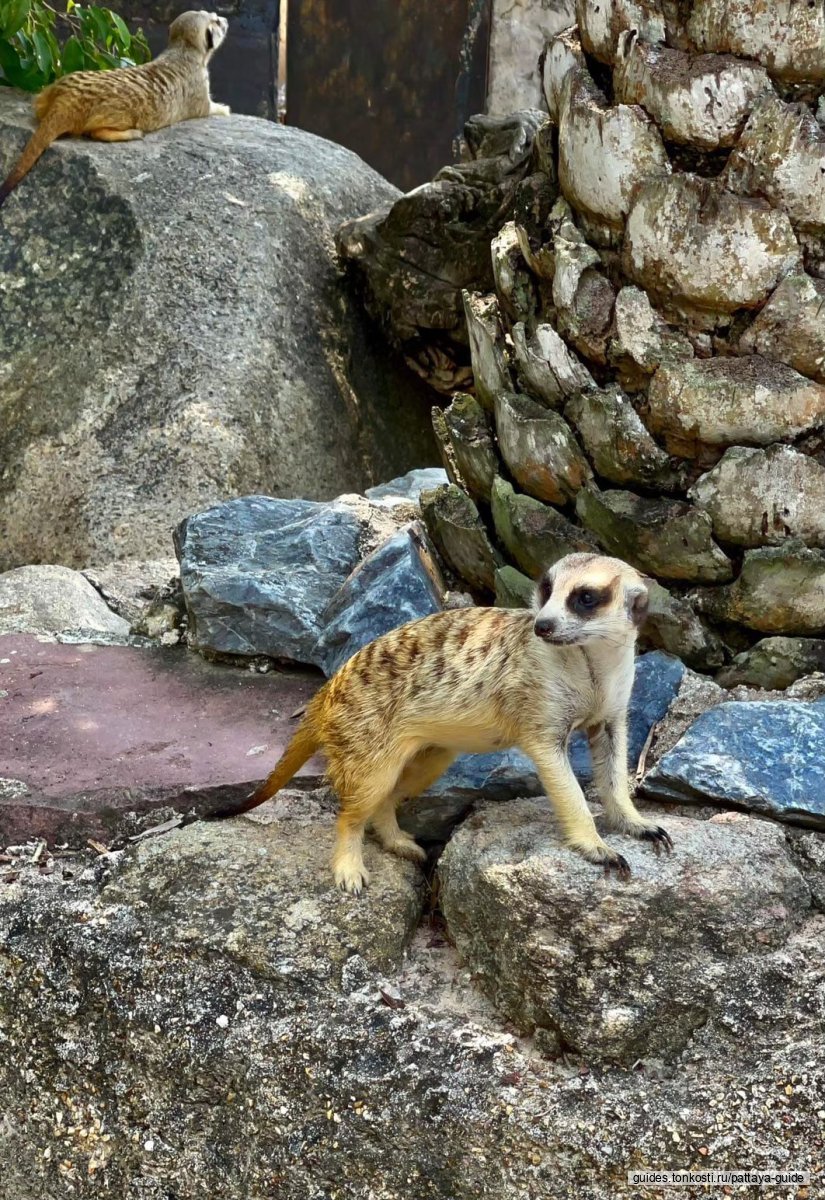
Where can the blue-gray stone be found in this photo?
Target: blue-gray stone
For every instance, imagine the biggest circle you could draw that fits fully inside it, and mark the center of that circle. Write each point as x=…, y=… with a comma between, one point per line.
x=390, y=587
x=510, y=773
x=407, y=488
x=762, y=756
x=258, y=573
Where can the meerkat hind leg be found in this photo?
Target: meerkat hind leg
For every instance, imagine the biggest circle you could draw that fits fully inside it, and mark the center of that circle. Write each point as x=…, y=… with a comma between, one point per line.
x=419, y=774
x=115, y=135
x=362, y=789
x=608, y=750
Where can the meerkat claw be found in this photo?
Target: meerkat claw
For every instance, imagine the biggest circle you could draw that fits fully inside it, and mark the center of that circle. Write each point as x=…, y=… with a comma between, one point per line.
x=620, y=865
x=660, y=838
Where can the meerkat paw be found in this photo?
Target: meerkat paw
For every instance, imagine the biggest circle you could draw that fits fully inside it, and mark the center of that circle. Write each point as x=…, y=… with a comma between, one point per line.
x=406, y=847
x=660, y=838
x=603, y=856
x=351, y=876
x=220, y=110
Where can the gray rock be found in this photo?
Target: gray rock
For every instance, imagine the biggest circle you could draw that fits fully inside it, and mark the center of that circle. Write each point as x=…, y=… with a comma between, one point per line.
x=702, y=100
x=583, y=296
x=472, y=444
x=407, y=488
x=539, y=448
x=515, y=284
x=789, y=328
x=674, y=230
x=720, y=402
x=673, y=626
x=642, y=340
x=200, y=343
x=779, y=590
x=667, y=538
x=49, y=600
x=764, y=497
x=491, y=371
x=547, y=367
x=130, y=586
x=513, y=589
x=459, y=534
x=775, y=663
x=618, y=443
x=762, y=756
x=399, y=582
x=790, y=49
x=258, y=574
x=535, y=534
x=600, y=24
x=682, y=960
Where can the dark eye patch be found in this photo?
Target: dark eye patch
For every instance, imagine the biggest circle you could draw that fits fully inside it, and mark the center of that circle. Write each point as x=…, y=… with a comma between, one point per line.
x=545, y=590
x=586, y=601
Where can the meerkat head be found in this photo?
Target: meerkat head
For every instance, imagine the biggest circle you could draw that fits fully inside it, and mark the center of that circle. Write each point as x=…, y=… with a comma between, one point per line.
x=201, y=31
x=587, y=597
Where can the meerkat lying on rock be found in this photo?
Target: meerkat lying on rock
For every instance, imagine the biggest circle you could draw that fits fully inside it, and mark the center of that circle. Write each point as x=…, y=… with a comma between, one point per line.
x=121, y=105
x=394, y=717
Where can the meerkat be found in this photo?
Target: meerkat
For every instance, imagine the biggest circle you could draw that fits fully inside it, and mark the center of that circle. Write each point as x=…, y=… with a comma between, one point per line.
x=123, y=104
x=473, y=680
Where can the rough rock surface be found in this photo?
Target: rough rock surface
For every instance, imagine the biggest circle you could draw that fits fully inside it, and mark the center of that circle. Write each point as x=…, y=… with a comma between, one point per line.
x=763, y=497
x=156, y=353
x=765, y=757
x=729, y=401
x=407, y=488
x=617, y=442
x=578, y=962
x=54, y=600
x=458, y=532
x=790, y=328
x=520, y=30
x=207, y=1001
x=540, y=449
x=779, y=590
x=470, y=443
x=398, y=582
x=258, y=573
x=546, y=367
x=775, y=662
x=667, y=538
x=788, y=39
x=535, y=534
x=673, y=626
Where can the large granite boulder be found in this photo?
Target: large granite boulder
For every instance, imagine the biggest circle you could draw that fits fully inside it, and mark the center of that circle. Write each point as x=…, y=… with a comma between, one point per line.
x=174, y=329
x=50, y=600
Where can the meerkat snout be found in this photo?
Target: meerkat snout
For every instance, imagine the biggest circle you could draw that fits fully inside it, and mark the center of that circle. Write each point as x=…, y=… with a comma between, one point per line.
x=586, y=597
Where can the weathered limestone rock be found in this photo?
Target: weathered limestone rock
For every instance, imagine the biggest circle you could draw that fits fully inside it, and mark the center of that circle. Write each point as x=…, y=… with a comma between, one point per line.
x=762, y=756
x=491, y=371
x=472, y=444
x=779, y=158
x=583, y=296
x=48, y=600
x=602, y=21
x=721, y=402
x=257, y=574
x=453, y=523
x=779, y=590
x=702, y=100
x=534, y=200
x=563, y=57
x=546, y=366
x=534, y=534
x=519, y=33
x=515, y=285
x=642, y=341
x=605, y=151
x=513, y=590
x=538, y=446
x=762, y=497
x=413, y=258
x=183, y=252
x=555, y=971
x=398, y=582
x=775, y=663
x=131, y=587
x=787, y=38
x=667, y=538
x=681, y=227
x=790, y=328
x=672, y=625
x=617, y=442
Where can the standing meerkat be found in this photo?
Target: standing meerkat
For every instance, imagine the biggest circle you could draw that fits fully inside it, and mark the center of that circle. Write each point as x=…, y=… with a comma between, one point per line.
x=394, y=717
x=121, y=105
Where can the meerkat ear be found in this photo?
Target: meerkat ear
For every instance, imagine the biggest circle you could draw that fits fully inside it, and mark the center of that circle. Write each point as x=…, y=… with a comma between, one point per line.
x=544, y=589
x=210, y=38
x=638, y=601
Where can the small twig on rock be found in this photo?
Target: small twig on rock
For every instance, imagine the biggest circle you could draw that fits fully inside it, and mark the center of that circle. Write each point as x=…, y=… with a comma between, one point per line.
x=98, y=847
x=642, y=767
x=164, y=827
x=38, y=852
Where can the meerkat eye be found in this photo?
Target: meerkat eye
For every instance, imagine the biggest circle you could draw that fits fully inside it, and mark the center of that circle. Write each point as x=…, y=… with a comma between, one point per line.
x=588, y=599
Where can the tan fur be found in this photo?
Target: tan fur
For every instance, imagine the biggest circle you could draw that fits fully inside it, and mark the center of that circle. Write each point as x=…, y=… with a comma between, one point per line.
x=397, y=713
x=121, y=105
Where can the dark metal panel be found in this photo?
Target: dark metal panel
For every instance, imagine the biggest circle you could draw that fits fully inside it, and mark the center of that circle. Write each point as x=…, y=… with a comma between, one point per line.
x=393, y=80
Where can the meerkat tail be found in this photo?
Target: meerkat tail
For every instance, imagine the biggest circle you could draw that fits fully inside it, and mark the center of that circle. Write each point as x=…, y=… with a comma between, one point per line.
x=302, y=747
x=53, y=126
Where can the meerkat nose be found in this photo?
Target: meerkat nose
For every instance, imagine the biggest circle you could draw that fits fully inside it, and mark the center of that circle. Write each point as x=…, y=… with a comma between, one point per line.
x=545, y=627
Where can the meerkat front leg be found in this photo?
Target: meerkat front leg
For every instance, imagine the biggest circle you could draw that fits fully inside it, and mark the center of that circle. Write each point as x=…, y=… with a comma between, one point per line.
x=608, y=748
x=570, y=806
x=115, y=135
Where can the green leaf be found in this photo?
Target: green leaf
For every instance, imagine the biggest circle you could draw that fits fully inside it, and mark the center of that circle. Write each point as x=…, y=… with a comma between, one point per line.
x=102, y=28
x=73, y=57
x=122, y=30
x=43, y=52
x=13, y=14
x=15, y=71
